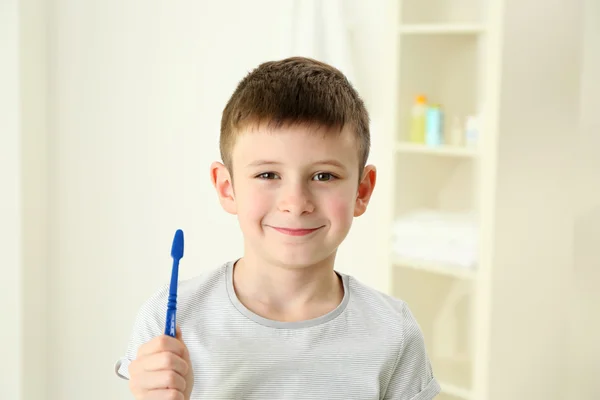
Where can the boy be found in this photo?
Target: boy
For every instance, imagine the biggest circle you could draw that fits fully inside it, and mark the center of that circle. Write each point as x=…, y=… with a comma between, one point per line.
x=280, y=322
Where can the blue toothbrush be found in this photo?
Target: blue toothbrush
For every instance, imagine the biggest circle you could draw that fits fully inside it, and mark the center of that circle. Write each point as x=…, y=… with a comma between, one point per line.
x=177, y=254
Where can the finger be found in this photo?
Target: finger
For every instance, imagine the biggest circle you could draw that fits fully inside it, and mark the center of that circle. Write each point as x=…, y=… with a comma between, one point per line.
x=164, y=394
x=156, y=380
x=164, y=361
x=162, y=343
x=178, y=335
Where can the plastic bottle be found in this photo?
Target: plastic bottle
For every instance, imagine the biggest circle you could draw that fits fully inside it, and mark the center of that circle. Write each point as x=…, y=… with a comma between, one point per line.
x=472, y=131
x=434, y=123
x=417, y=123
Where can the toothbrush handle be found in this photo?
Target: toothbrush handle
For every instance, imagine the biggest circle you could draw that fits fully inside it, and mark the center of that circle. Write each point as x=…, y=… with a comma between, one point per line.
x=171, y=323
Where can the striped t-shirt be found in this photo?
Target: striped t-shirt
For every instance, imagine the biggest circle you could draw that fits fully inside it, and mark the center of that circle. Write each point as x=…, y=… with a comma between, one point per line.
x=369, y=347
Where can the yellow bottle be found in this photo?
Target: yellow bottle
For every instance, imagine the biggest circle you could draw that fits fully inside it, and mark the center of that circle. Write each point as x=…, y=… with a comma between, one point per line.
x=417, y=120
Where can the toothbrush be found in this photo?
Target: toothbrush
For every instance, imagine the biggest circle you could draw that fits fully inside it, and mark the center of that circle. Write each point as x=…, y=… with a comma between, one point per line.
x=176, y=254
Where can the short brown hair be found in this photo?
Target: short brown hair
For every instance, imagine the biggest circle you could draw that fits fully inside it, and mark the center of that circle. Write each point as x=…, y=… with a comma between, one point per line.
x=295, y=90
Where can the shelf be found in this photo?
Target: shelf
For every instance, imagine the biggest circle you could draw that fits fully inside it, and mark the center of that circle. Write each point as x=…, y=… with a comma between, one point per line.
x=438, y=202
x=456, y=391
x=455, y=271
x=446, y=184
x=443, y=68
x=441, y=29
x=444, y=150
x=455, y=12
x=443, y=306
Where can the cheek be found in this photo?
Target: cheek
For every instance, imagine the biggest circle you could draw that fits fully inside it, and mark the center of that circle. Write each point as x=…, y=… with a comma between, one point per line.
x=252, y=204
x=340, y=206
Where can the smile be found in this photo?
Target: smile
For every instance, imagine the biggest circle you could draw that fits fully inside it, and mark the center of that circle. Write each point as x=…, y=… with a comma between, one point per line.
x=295, y=232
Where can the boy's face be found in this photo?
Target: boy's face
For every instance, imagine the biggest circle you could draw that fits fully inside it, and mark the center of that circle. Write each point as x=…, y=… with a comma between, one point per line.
x=296, y=192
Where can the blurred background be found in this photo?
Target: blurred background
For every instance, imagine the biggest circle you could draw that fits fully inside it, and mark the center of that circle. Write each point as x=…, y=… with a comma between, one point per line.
x=485, y=219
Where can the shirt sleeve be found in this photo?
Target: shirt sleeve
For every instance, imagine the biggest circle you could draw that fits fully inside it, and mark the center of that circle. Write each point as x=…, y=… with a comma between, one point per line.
x=412, y=378
x=149, y=323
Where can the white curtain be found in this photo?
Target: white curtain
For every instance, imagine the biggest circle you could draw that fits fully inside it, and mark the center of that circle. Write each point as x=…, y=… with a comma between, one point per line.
x=320, y=30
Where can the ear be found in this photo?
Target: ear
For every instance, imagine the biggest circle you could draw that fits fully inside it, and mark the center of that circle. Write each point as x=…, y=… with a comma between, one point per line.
x=223, y=183
x=365, y=190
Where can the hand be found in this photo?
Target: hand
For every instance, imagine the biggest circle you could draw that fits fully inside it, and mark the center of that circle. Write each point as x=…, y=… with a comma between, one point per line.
x=162, y=370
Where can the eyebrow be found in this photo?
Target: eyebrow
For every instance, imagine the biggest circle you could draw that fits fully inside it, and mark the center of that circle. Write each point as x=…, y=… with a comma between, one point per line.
x=260, y=163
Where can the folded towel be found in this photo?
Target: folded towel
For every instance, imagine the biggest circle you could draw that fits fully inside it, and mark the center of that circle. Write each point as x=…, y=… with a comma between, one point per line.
x=437, y=236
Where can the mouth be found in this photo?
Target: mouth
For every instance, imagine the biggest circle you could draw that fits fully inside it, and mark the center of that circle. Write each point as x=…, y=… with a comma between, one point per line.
x=296, y=232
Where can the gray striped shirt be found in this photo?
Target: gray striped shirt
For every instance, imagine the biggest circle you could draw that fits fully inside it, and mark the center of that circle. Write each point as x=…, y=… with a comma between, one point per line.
x=369, y=347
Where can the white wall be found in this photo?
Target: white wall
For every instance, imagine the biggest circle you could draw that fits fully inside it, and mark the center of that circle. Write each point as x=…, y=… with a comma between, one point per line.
x=585, y=327
x=34, y=154
x=23, y=212
x=10, y=203
x=137, y=90
x=533, y=244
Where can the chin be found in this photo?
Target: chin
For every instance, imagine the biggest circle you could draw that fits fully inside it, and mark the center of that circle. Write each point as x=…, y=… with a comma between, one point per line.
x=299, y=260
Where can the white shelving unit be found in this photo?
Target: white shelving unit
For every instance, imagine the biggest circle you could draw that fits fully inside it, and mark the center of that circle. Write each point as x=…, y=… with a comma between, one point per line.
x=481, y=238
x=440, y=29
x=443, y=150
x=444, y=269
x=438, y=199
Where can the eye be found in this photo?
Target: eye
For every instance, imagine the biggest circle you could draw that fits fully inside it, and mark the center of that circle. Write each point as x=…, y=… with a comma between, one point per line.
x=323, y=176
x=267, y=175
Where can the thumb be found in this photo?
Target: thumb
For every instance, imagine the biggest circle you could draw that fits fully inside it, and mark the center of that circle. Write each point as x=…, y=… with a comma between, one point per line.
x=179, y=337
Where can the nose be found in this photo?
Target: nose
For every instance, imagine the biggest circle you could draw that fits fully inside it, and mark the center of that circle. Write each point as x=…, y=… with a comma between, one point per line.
x=295, y=199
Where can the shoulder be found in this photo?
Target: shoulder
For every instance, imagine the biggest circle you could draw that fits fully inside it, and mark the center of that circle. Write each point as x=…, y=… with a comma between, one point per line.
x=204, y=282
x=373, y=301
x=410, y=374
x=190, y=292
x=383, y=313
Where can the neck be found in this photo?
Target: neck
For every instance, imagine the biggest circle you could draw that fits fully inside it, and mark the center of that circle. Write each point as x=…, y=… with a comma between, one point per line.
x=285, y=293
